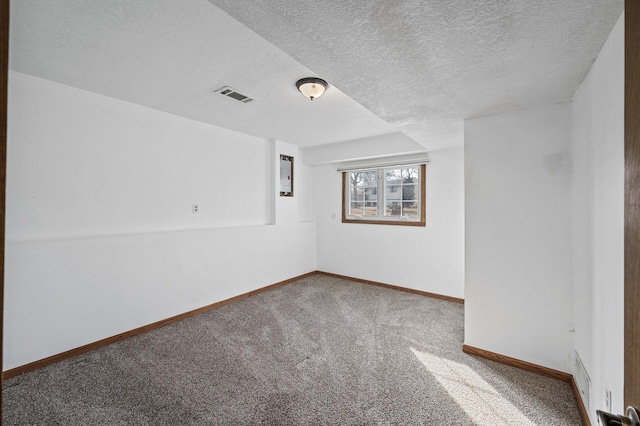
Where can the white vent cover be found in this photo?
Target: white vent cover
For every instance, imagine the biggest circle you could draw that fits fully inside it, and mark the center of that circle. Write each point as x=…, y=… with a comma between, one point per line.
x=234, y=94
x=583, y=382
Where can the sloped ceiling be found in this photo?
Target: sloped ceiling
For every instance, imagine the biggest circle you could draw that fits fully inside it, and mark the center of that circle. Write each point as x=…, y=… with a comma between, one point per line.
x=420, y=67
x=171, y=56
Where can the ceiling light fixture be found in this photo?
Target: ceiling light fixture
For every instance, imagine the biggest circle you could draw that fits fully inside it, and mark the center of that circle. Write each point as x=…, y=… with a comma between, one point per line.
x=311, y=87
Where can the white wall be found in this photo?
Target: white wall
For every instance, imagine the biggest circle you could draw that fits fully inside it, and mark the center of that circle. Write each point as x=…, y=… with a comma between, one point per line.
x=390, y=144
x=598, y=222
x=518, y=242
x=82, y=164
x=101, y=237
x=428, y=259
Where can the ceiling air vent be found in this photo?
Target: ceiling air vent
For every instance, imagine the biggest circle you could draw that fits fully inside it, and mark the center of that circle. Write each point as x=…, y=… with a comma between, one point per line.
x=233, y=93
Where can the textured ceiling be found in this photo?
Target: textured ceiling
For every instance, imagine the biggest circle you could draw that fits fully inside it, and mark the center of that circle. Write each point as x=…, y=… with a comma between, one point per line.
x=418, y=66
x=423, y=66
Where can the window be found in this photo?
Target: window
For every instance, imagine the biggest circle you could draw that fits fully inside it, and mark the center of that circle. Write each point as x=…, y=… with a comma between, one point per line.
x=387, y=196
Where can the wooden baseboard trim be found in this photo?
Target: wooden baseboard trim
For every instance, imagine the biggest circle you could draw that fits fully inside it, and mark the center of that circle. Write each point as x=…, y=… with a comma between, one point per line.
x=534, y=368
x=524, y=365
x=140, y=330
x=394, y=287
x=149, y=327
x=581, y=407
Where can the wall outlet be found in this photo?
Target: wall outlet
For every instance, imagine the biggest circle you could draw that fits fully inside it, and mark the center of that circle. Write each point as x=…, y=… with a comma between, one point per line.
x=195, y=208
x=607, y=399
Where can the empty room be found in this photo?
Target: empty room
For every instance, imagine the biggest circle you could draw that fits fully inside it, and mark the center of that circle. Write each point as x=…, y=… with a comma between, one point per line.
x=315, y=212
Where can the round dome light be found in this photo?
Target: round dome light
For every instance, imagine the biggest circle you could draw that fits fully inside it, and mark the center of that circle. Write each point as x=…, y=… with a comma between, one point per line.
x=311, y=87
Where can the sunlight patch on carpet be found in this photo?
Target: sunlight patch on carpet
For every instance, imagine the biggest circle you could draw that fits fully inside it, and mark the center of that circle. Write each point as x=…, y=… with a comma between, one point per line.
x=480, y=401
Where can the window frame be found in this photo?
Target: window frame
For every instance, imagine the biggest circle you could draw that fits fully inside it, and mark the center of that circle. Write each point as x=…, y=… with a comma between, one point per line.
x=386, y=220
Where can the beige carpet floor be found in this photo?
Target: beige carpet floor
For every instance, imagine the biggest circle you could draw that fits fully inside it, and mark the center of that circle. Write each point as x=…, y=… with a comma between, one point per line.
x=319, y=351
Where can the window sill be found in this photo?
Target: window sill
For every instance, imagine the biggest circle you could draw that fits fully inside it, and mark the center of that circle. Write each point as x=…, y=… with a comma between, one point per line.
x=385, y=222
